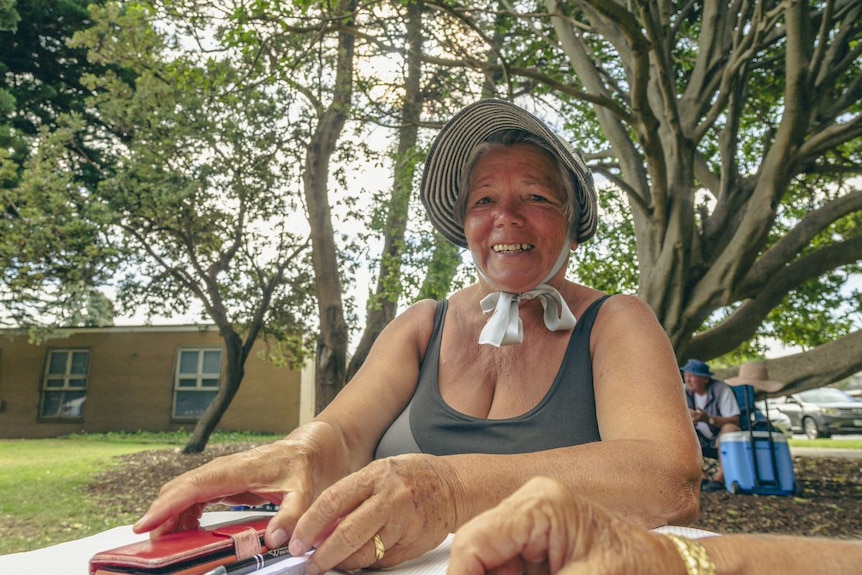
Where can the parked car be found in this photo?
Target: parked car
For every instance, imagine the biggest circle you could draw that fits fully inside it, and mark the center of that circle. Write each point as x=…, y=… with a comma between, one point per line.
x=777, y=419
x=821, y=412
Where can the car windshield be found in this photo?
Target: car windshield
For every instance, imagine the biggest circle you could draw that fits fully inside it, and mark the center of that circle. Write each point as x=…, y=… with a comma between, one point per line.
x=826, y=395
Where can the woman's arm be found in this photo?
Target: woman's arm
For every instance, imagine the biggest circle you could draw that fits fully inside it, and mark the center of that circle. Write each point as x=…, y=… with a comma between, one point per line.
x=294, y=471
x=545, y=527
x=753, y=554
x=384, y=385
x=640, y=400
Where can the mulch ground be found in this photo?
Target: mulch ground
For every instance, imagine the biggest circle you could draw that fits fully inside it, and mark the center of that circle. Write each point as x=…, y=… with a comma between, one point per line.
x=828, y=501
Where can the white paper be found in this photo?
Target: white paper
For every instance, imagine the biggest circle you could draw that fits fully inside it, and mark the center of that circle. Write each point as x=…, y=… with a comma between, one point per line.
x=433, y=562
x=290, y=566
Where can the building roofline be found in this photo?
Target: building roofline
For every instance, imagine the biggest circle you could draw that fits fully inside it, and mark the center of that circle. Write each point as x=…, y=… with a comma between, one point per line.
x=64, y=331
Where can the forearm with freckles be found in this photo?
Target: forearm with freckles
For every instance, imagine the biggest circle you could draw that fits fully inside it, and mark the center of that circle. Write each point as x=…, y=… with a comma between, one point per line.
x=788, y=555
x=631, y=478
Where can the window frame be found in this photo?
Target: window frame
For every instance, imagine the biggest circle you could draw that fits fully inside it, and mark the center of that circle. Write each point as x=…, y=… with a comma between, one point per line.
x=47, y=391
x=199, y=376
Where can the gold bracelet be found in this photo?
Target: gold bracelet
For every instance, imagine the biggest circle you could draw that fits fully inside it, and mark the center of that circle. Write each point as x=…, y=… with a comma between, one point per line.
x=693, y=554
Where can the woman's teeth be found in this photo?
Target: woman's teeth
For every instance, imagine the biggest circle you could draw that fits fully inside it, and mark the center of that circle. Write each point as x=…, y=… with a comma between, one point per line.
x=500, y=248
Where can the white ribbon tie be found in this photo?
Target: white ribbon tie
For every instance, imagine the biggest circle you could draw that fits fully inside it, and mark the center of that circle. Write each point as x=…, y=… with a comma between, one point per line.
x=505, y=326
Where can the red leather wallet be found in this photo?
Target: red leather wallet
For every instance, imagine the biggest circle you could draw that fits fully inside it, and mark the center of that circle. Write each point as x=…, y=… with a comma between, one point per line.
x=186, y=552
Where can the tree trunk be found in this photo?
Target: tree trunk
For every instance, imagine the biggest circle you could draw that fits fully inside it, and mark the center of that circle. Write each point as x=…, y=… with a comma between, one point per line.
x=331, y=351
x=383, y=305
x=236, y=355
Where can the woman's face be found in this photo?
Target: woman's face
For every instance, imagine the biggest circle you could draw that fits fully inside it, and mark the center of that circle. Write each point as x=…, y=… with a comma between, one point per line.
x=514, y=221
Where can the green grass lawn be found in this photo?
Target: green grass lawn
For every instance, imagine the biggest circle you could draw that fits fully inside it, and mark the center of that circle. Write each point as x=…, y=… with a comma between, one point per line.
x=43, y=484
x=827, y=443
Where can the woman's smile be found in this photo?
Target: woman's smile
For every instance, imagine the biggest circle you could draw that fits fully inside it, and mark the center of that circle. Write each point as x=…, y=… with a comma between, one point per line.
x=511, y=248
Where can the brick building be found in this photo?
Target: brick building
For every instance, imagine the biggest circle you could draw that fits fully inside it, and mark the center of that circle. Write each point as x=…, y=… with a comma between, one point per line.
x=149, y=378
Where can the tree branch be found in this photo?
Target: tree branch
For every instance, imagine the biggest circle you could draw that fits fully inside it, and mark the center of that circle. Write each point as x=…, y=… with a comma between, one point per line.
x=786, y=249
x=763, y=298
x=820, y=366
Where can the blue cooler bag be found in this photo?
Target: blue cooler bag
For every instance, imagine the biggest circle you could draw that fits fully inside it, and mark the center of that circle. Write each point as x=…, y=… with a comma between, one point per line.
x=757, y=462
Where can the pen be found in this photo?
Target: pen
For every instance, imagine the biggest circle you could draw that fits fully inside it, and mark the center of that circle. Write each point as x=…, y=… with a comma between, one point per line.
x=254, y=563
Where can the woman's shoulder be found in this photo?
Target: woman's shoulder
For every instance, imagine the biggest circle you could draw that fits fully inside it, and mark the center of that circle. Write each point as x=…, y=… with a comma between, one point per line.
x=615, y=308
x=409, y=329
x=623, y=316
x=418, y=312
x=627, y=303
x=417, y=318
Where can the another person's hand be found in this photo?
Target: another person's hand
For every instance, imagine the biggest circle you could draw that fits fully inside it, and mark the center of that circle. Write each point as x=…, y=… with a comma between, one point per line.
x=545, y=528
x=698, y=415
x=407, y=501
x=280, y=473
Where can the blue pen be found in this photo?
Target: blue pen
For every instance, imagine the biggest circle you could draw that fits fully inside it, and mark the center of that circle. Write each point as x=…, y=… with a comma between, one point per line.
x=258, y=562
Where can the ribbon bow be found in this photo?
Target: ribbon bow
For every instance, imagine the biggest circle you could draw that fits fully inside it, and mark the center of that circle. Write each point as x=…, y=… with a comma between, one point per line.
x=505, y=326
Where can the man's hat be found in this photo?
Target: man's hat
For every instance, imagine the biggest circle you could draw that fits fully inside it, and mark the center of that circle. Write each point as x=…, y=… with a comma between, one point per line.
x=697, y=367
x=473, y=125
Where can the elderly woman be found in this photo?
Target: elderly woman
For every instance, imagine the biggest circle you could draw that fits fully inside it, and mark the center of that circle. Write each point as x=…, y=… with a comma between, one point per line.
x=462, y=401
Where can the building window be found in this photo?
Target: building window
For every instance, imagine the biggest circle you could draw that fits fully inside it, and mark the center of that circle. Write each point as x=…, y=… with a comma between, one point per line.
x=64, y=386
x=196, y=381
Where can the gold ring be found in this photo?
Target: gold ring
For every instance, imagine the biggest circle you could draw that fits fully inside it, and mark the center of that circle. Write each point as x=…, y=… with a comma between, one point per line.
x=379, y=548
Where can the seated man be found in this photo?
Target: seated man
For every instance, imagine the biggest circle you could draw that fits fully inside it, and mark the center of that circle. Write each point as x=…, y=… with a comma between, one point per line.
x=714, y=411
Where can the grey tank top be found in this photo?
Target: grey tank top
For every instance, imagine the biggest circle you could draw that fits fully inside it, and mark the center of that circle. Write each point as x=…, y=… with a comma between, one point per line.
x=566, y=416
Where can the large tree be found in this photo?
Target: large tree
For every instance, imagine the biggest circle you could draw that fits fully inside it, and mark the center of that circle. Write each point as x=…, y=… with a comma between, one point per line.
x=733, y=130
x=196, y=162
x=39, y=81
x=341, y=87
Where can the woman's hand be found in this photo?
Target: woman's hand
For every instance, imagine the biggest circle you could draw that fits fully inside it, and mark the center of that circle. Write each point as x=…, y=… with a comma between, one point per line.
x=545, y=528
x=280, y=473
x=406, y=500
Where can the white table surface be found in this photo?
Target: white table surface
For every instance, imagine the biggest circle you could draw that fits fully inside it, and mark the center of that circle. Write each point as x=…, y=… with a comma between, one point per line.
x=73, y=557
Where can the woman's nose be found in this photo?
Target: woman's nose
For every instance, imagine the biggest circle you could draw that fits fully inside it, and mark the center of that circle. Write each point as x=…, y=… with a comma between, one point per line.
x=507, y=213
